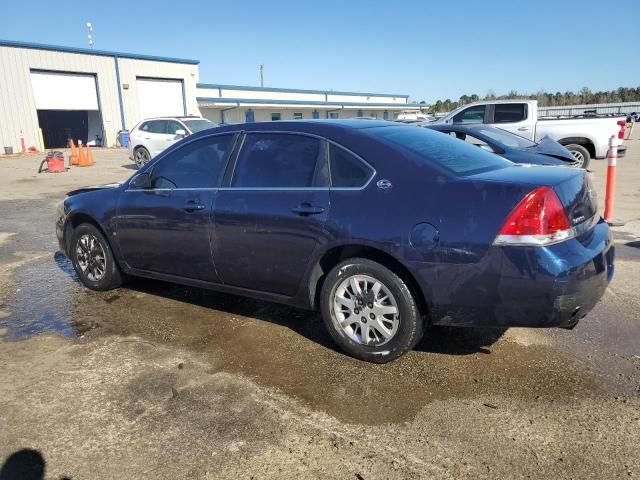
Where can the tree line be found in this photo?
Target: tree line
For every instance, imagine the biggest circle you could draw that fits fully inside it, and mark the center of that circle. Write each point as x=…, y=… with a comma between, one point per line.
x=546, y=99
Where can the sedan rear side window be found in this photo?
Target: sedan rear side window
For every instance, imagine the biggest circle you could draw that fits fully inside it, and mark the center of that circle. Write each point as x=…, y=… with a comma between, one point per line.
x=199, y=164
x=440, y=150
x=270, y=160
x=347, y=171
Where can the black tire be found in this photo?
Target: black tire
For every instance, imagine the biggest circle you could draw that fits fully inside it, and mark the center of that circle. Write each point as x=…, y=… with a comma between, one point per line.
x=410, y=328
x=574, y=147
x=111, y=277
x=141, y=157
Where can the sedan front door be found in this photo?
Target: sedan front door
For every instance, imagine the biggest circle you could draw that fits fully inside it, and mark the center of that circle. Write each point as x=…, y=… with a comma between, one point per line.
x=167, y=228
x=270, y=217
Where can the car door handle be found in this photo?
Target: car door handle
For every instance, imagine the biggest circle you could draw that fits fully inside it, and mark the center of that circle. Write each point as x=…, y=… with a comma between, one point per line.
x=193, y=206
x=523, y=129
x=305, y=209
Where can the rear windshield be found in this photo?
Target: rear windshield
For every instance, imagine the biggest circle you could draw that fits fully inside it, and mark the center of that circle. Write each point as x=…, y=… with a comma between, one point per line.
x=505, y=138
x=441, y=150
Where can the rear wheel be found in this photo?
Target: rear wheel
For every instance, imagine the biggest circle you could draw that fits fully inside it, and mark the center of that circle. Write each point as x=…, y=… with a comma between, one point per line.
x=369, y=311
x=141, y=156
x=581, y=155
x=92, y=259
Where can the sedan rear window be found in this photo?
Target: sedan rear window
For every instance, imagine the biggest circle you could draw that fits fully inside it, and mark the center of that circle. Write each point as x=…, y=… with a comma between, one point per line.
x=440, y=150
x=272, y=160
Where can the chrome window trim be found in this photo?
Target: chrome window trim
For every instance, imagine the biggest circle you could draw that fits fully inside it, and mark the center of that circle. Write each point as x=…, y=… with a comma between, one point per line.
x=286, y=132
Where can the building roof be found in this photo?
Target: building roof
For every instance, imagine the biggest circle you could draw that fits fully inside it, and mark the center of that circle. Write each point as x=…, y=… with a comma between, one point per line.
x=207, y=101
x=297, y=90
x=90, y=51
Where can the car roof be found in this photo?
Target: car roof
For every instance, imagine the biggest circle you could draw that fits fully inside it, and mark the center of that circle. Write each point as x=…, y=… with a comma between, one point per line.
x=319, y=126
x=457, y=127
x=187, y=117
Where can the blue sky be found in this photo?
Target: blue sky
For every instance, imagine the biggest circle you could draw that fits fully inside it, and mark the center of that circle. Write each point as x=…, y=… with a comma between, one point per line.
x=426, y=49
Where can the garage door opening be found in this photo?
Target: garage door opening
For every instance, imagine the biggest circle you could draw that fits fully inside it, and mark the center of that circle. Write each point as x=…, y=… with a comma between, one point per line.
x=67, y=108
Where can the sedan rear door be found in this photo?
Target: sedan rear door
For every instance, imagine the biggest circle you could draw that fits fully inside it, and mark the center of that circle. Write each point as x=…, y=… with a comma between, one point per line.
x=270, y=217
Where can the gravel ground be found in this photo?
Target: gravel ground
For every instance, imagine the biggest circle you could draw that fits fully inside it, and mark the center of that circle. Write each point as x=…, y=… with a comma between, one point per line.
x=163, y=381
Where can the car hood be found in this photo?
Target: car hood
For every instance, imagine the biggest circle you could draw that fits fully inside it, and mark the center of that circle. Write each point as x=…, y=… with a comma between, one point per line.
x=548, y=146
x=93, y=188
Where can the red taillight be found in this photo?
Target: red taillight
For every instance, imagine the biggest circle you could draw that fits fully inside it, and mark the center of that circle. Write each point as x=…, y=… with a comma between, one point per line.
x=539, y=219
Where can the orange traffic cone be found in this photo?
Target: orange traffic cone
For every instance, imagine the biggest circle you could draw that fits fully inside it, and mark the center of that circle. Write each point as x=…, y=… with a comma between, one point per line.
x=80, y=154
x=89, y=158
x=73, y=159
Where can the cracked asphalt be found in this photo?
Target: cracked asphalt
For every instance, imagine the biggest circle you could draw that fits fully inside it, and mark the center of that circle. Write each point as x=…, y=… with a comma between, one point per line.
x=154, y=380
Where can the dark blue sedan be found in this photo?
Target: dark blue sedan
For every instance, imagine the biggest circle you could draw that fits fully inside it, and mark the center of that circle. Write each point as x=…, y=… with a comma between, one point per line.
x=509, y=145
x=385, y=228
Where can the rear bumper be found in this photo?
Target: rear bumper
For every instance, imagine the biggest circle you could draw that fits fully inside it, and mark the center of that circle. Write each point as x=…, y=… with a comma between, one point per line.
x=552, y=286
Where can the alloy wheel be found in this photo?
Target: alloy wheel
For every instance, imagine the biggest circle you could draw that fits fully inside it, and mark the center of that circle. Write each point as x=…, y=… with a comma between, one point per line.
x=366, y=310
x=91, y=257
x=141, y=157
x=578, y=159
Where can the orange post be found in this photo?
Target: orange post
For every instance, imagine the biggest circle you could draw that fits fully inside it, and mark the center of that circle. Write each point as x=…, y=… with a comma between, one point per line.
x=612, y=157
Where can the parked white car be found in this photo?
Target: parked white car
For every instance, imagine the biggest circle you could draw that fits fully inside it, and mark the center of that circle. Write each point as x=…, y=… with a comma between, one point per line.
x=585, y=137
x=150, y=137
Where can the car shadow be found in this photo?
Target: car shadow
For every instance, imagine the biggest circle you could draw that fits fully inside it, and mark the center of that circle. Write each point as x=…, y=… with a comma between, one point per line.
x=130, y=166
x=459, y=340
x=309, y=324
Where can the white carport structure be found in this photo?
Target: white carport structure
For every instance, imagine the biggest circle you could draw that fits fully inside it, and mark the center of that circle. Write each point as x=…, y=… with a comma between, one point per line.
x=237, y=104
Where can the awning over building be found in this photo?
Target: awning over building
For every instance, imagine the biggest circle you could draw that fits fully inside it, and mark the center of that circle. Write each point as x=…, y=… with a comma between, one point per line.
x=257, y=103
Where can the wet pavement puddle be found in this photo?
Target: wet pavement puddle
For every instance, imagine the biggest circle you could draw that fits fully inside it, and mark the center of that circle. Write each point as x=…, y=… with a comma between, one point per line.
x=288, y=349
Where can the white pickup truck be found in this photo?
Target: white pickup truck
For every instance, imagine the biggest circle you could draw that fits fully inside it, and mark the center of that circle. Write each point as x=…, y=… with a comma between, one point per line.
x=585, y=137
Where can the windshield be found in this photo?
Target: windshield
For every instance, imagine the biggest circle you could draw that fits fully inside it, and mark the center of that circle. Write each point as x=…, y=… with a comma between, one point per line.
x=436, y=148
x=505, y=138
x=198, y=125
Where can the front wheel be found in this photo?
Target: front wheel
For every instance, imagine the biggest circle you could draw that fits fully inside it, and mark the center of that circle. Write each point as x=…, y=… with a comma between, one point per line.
x=369, y=311
x=92, y=259
x=581, y=155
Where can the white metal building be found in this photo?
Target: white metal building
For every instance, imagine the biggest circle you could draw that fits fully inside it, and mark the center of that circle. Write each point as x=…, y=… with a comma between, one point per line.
x=86, y=94
x=91, y=95
x=234, y=104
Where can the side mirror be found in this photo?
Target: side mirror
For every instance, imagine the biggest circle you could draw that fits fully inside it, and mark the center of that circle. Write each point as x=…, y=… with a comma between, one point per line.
x=141, y=181
x=181, y=132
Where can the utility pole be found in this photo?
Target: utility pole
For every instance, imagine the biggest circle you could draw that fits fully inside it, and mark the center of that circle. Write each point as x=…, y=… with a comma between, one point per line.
x=261, y=75
x=89, y=36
